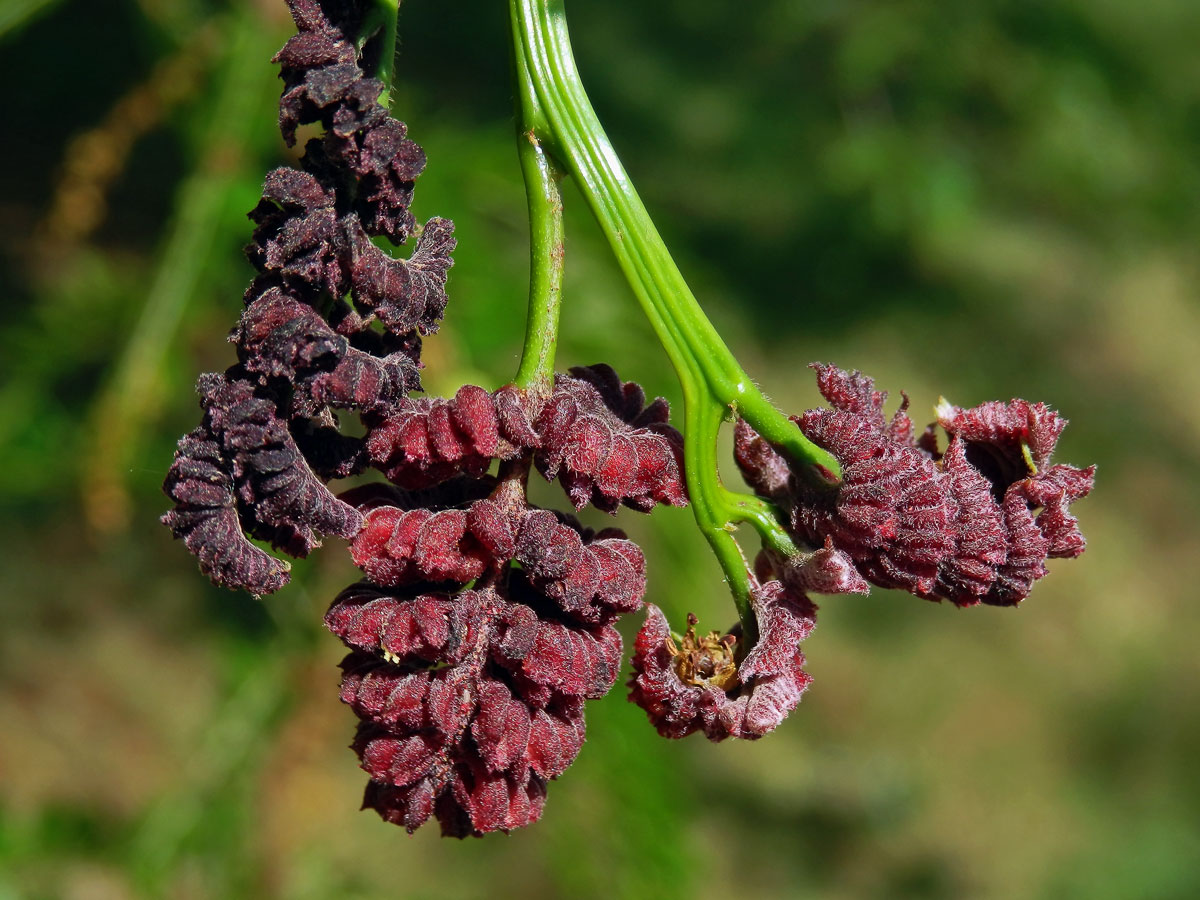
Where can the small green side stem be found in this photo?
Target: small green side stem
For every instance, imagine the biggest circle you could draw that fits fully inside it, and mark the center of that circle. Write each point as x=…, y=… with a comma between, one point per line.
x=702, y=420
x=380, y=19
x=547, y=247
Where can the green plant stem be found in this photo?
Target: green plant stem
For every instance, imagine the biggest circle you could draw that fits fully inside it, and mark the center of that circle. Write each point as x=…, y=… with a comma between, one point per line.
x=380, y=19
x=714, y=385
x=547, y=247
x=702, y=420
x=579, y=139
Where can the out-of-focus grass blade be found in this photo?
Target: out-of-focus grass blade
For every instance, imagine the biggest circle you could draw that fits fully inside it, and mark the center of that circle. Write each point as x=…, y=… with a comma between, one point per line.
x=232, y=742
x=216, y=782
x=133, y=394
x=16, y=14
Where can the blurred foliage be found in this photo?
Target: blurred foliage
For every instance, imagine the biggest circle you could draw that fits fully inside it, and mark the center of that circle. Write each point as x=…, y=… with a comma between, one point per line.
x=977, y=198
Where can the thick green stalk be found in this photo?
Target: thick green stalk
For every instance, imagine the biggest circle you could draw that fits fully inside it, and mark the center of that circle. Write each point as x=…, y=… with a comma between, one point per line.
x=579, y=140
x=547, y=246
x=557, y=115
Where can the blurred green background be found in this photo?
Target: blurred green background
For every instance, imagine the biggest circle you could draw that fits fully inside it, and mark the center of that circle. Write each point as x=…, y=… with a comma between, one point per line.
x=979, y=199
